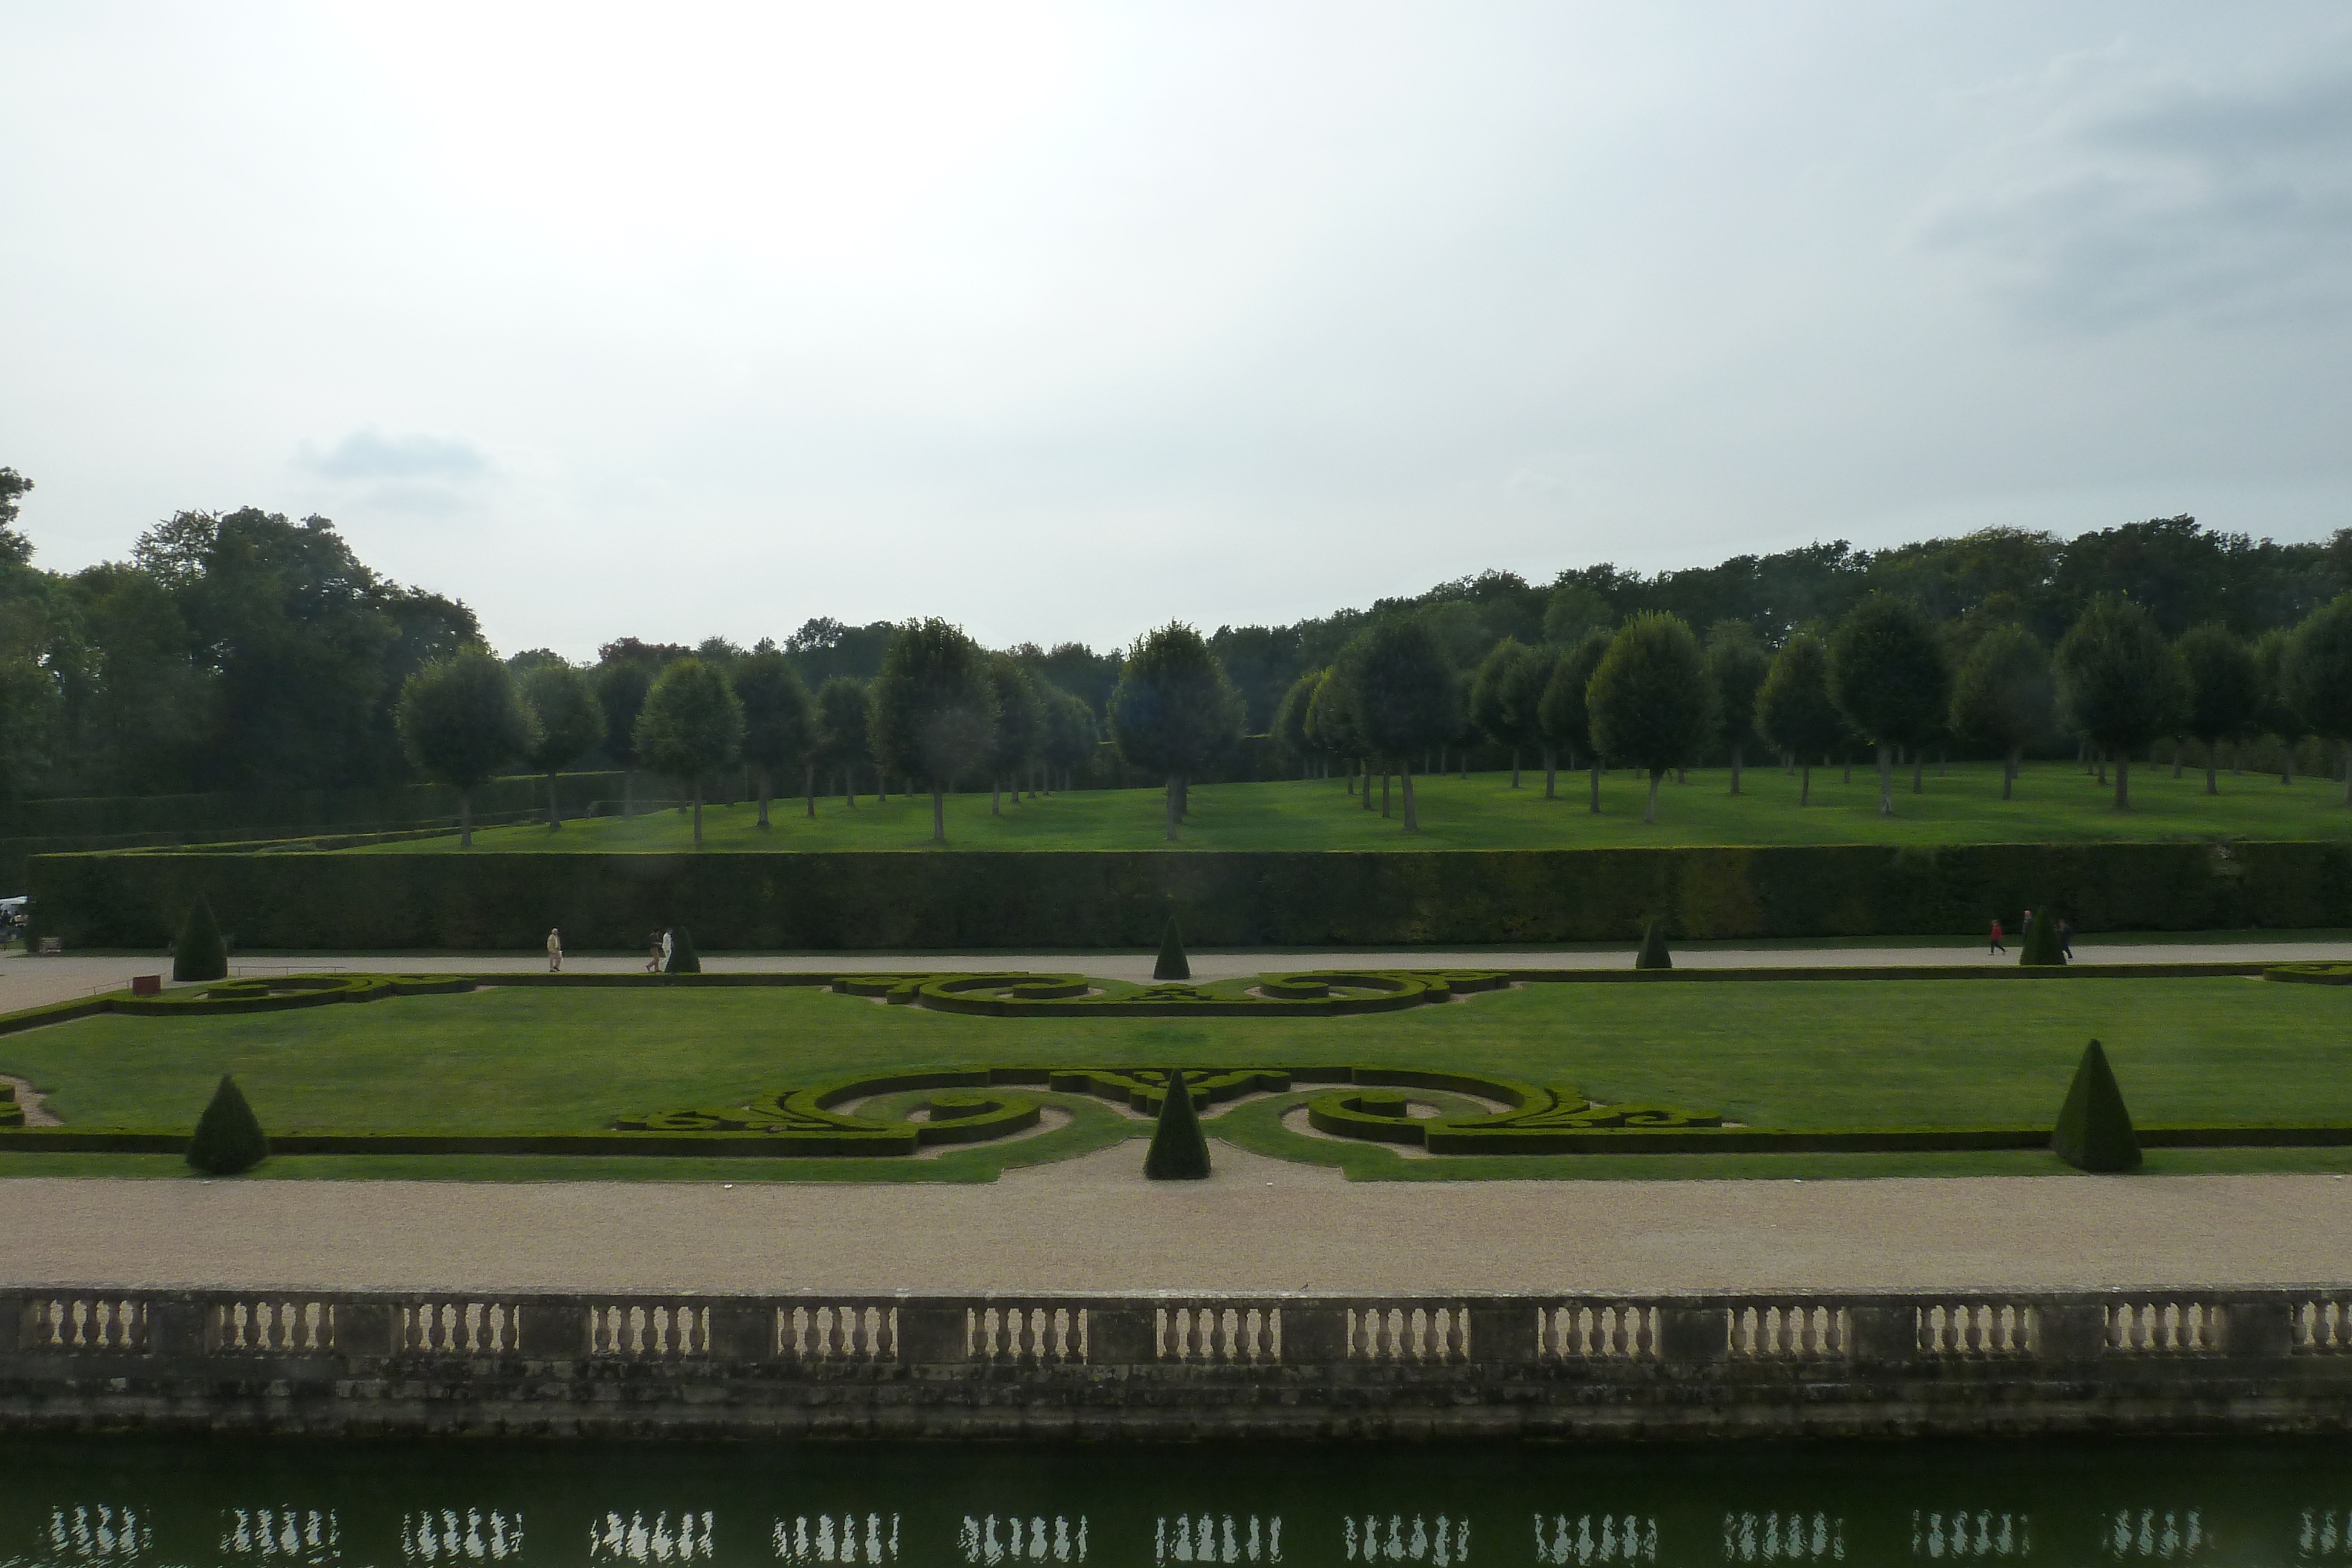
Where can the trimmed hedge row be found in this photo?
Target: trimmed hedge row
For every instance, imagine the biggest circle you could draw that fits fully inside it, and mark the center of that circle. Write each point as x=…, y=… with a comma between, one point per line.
x=1077, y=899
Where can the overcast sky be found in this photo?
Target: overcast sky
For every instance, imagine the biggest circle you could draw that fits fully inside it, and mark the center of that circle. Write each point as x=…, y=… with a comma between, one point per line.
x=1063, y=320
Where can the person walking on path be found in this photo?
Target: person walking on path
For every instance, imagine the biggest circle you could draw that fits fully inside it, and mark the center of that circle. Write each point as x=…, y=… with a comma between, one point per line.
x=652, y=952
x=554, y=950
x=1996, y=947
x=2067, y=938
x=2026, y=929
x=669, y=946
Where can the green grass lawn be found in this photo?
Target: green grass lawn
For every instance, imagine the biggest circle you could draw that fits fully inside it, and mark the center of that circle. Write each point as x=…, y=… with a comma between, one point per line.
x=2054, y=801
x=1798, y=1054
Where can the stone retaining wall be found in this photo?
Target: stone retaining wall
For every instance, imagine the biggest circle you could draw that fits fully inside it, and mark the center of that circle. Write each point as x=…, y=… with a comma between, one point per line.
x=1178, y=1365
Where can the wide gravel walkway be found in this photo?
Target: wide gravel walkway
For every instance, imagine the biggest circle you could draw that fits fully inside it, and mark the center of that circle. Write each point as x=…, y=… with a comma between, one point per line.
x=26, y=981
x=1258, y=1224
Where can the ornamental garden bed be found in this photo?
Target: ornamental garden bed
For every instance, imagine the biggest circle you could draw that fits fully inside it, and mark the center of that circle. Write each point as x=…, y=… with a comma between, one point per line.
x=531, y=1075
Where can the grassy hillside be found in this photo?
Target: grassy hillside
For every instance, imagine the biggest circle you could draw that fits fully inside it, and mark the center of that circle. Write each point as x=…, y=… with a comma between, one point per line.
x=2054, y=802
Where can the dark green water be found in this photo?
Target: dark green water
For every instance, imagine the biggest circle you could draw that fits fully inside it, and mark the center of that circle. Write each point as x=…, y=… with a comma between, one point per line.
x=277, y=1505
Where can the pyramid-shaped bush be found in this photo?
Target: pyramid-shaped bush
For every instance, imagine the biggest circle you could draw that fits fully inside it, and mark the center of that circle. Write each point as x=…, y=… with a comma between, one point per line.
x=1172, y=963
x=2095, y=1131
x=2042, y=941
x=228, y=1137
x=200, y=954
x=1179, y=1151
x=1653, y=954
x=683, y=959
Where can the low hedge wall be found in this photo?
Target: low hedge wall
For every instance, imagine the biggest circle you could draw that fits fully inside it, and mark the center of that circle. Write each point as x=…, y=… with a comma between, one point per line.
x=1078, y=899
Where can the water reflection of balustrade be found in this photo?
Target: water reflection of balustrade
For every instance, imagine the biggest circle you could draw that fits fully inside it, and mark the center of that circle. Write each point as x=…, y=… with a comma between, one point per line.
x=1219, y=1334
x=1977, y=1328
x=648, y=1330
x=444, y=1535
x=661, y=1539
x=1793, y=1537
x=2163, y=1533
x=2325, y=1534
x=304, y=1535
x=1442, y=1541
x=458, y=1327
x=1981, y=1533
x=1596, y=1538
x=277, y=1325
x=1012, y=1539
x=83, y=1323
x=837, y=1538
x=99, y=1533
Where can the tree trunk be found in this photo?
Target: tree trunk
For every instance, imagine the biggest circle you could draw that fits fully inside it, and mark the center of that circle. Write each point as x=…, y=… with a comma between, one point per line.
x=1183, y=796
x=554, y=806
x=1351, y=779
x=1788, y=763
x=1386, y=773
x=2180, y=746
x=2009, y=770
x=808, y=788
x=1650, y=813
x=1805, y=790
x=2348, y=772
x=465, y=819
x=995, y=795
x=2123, y=778
x=1551, y=774
x=1849, y=770
x=1171, y=808
x=1366, y=768
x=1412, y=823
x=939, y=812
x=1735, y=768
x=1514, y=768
x=2211, y=766
x=767, y=789
x=1595, y=807
x=1886, y=780
x=697, y=813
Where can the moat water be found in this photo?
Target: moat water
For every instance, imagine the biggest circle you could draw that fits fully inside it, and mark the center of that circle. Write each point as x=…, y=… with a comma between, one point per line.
x=173, y=1503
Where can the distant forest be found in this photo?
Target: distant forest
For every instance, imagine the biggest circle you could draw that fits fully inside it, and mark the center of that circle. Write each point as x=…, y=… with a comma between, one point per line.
x=243, y=649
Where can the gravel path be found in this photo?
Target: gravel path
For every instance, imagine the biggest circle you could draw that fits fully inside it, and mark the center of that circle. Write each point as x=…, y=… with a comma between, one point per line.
x=1258, y=1224
x=31, y=982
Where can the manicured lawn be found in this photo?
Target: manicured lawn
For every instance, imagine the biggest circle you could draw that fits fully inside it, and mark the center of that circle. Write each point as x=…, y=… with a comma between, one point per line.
x=1784, y=1054
x=2054, y=801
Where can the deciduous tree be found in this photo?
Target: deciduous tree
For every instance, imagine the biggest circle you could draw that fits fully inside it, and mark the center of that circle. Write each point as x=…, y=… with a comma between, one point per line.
x=462, y=720
x=1566, y=720
x=2005, y=697
x=2121, y=682
x=779, y=728
x=571, y=722
x=2277, y=717
x=1888, y=676
x=1650, y=701
x=1738, y=663
x=1404, y=694
x=692, y=725
x=841, y=736
x=933, y=712
x=2225, y=690
x=1503, y=698
x=1794, y=709
x=2319, y=677
x=1174, y=711
x=1020, y=728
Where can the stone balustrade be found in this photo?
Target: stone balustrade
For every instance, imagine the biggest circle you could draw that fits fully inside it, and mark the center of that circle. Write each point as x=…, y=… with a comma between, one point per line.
x=913, y=1363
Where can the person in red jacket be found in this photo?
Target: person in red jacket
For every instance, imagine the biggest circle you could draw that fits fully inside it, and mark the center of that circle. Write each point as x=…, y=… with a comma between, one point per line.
x=1996, y=946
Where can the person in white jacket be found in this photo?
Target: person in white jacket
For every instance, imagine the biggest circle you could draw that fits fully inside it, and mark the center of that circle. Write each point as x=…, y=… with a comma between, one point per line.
x=554, y=950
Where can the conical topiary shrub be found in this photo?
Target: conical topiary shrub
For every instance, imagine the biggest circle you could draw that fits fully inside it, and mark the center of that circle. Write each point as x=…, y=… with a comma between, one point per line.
x=1653, y=954
x=200, y=954
x=1172, y=964
x=2095, y=1132
x=1179, y=1151
x=229, y=1136
x=683, y=959
x=2042, y=942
